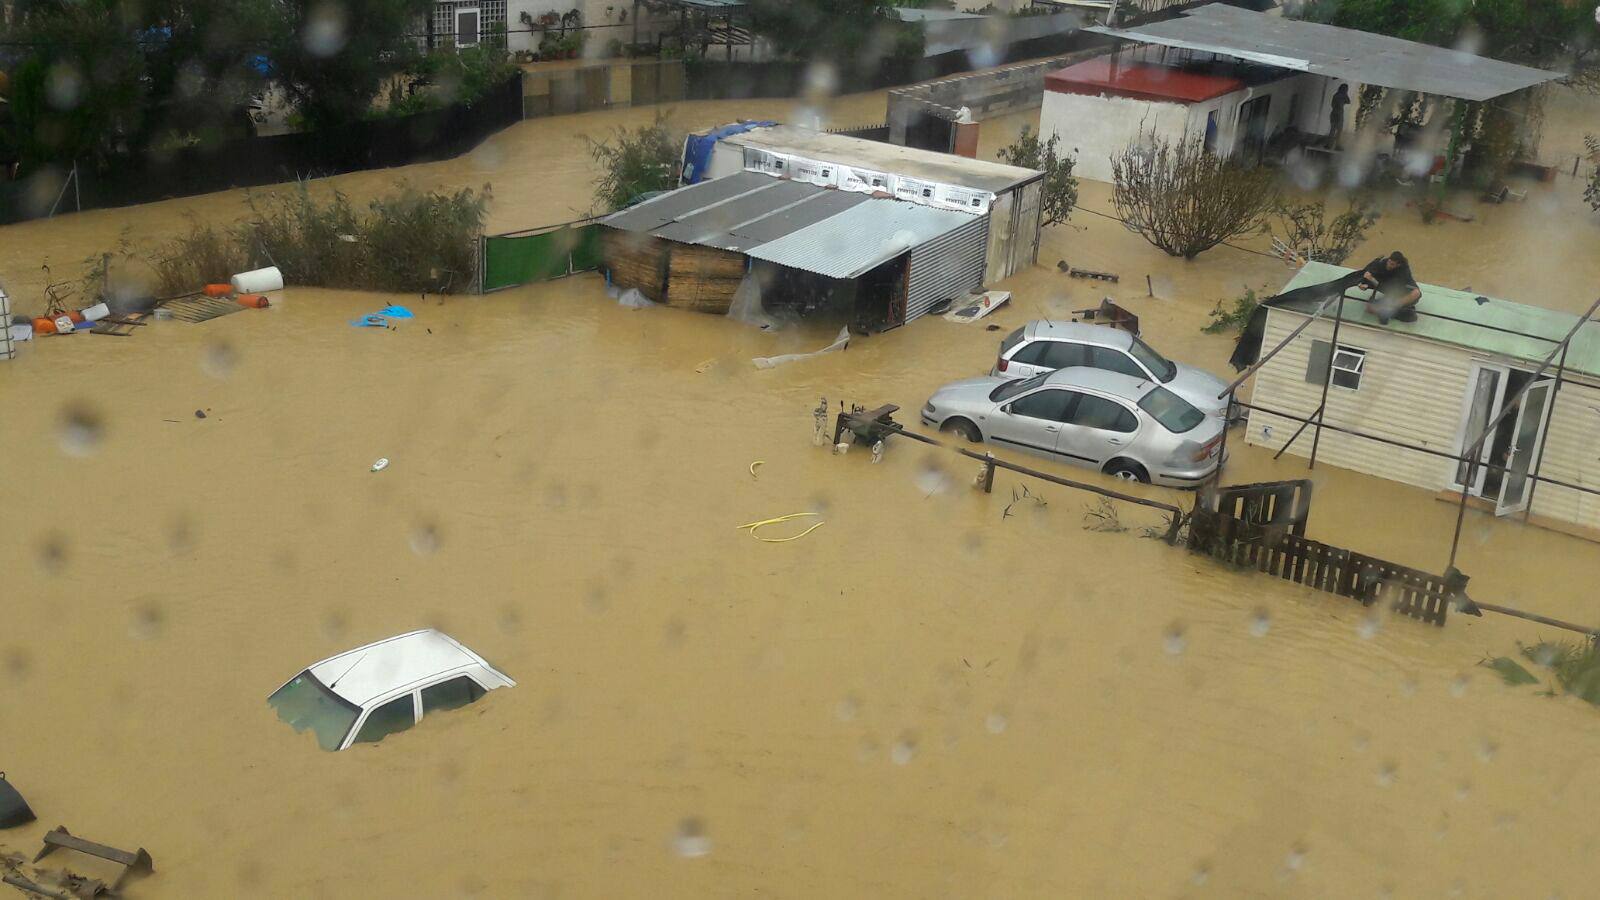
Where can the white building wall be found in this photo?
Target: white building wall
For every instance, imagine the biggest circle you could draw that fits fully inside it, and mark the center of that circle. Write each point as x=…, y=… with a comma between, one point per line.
x=1414, y=391
x=1411, y=391
x=604, y=21
x=1572, y=454
x=1097, y=128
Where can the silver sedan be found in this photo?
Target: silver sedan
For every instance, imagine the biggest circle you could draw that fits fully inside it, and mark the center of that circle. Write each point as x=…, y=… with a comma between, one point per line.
x=1129, y=427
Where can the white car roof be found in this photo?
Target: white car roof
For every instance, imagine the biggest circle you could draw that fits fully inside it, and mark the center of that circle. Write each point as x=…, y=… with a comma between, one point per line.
x=1116, y=384
x=380, y=668
x=1081, y=332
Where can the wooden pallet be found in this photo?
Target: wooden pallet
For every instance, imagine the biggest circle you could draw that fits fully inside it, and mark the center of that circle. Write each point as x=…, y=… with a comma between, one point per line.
x=120, y=326
x=200, y=309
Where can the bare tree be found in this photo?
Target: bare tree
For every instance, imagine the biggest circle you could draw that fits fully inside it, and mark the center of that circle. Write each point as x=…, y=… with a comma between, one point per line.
x=1306, y=231
x=1185, y=200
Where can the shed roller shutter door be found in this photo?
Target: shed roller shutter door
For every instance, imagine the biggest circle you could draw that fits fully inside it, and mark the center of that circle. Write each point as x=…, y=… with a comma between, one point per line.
x=947, y=266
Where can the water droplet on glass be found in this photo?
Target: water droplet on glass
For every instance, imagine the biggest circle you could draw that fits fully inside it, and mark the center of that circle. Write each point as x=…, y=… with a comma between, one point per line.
x=324, y=33
x=1360, y=743
x=425, y=539
x=1174, y=641
x=1463, y=790
x=1386, y=775
x=219, y=359
x=18, y=663
x=1408, y=686
x=1368, y=626
x=691, y=840
x=1458, y=686
x=1487, y=750
x=1260, y=623
x=1202, y=873
x=81, y=430
x=53, y=553
x=1296, y=858
x=996, y=723
x=147, y=620
x=63, y=86
x=846, y=709
x=904, y=749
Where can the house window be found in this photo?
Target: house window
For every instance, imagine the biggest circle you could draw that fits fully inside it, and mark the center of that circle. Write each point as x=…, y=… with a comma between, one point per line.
x=1347, y=364
x=467, y=27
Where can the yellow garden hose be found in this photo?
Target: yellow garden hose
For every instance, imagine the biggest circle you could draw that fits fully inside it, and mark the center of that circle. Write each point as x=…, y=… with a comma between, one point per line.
x=754, y=526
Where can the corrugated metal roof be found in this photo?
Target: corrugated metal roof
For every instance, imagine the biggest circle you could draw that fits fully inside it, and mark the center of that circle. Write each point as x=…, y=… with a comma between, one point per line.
x=1328, y=50
x=710, y=226
x=1456, y=317
x=671, y=206
x=860, y=238
x=945, y=168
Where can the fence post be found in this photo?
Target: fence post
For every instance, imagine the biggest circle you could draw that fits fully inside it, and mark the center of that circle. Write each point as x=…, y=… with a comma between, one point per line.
x=988, y=472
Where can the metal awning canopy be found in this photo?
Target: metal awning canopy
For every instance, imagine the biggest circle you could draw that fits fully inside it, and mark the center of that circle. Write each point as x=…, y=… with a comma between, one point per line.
x=1344, y=53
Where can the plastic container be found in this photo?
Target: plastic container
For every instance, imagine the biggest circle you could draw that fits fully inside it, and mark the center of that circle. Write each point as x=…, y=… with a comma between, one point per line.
x=64, y=325
x=217, y=290
x=44, y=326
x=252, y=301
x=258, y=281
x=96, y=312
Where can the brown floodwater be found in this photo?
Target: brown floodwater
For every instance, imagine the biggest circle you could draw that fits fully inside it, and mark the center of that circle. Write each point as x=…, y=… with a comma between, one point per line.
x=926, y=696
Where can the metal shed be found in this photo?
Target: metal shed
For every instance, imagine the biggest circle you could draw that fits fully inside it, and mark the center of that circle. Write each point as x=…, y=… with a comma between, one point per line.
x=1008, y=196
x=709, y=232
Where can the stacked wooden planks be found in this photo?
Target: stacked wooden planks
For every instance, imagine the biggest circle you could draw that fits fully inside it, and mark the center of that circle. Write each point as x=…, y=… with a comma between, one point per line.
x=703, y=278
x=635, y=261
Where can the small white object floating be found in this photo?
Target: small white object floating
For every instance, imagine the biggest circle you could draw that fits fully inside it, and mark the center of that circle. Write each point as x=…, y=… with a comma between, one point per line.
x=975, y=307
x=258, y=281
x=381, y=464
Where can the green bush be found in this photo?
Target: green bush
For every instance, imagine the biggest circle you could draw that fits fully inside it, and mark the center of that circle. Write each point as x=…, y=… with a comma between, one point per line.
x=1233, y=318
x=635, y=161
x=407, y=241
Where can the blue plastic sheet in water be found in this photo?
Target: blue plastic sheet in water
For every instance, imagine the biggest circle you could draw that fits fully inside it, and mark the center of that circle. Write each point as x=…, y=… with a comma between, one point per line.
x=383, y=317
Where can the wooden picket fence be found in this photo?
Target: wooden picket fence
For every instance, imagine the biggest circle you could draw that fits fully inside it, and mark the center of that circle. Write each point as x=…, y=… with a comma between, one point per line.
x=1262, y=527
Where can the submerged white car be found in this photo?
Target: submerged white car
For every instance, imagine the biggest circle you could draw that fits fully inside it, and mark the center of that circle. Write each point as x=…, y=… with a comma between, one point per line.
x=366, y=694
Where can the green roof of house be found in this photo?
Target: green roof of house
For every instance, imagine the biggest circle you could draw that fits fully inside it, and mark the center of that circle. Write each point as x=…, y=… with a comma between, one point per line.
x=1459, y=318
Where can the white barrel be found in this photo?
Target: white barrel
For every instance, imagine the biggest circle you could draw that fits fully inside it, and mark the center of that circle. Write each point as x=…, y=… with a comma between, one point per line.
x=258, y=281
x=96, y=312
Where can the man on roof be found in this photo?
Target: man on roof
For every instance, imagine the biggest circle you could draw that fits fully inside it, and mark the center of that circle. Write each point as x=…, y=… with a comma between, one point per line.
x=1394, y=289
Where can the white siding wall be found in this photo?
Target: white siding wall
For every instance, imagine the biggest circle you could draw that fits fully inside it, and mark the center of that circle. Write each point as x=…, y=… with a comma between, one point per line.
x=1572, y=454
x=1097, y=128
x=1411, y=391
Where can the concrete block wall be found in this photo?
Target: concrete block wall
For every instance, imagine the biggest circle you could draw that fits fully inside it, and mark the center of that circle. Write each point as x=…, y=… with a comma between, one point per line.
x=989, y=93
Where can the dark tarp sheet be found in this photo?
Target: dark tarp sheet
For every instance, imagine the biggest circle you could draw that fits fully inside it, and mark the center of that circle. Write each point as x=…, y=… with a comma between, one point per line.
x=1248, y=348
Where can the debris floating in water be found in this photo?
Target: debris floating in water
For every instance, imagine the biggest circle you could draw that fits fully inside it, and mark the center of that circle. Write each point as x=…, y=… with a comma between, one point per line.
x=381, y=464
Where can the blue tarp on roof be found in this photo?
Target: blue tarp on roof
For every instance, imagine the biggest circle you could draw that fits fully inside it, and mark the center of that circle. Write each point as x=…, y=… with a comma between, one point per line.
x=697, y=149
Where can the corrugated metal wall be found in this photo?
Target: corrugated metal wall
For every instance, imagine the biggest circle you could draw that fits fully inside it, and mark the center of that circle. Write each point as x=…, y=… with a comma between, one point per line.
x=1411, y=390
x=947, y=266
x=1569, y=452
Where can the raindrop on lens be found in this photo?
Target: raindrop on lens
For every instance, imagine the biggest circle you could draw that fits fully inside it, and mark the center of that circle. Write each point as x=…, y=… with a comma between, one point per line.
x=846, y=709
x=1260, y=623
x=1458, y=686
x=219, y=360
x=904, y=750
x=1386, y=775
x=81, y=430
x=1368, y=627
x=325, y=30
x=996, y=723
x=1174, y=642
x=425, y=539
x=691, y=840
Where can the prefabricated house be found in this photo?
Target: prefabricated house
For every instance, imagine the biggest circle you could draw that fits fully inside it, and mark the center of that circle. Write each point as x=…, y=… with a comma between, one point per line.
x=1005, y=197
x=881, y=261
x=1242, y=80
x=1437, y=383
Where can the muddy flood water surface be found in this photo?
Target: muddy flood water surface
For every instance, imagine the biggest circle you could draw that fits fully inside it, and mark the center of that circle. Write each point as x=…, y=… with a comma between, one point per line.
x=937, y=692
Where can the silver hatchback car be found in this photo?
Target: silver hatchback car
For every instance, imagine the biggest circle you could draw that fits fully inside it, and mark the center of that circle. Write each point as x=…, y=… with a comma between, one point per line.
x=1043, y=346
x=1129, y=427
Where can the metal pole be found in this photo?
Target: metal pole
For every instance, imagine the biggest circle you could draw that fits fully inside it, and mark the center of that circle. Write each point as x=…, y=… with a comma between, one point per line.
x=1461, y=511
x=77, y=186
x=1281, y=344
x=1327, y=379
x=1297, y=432
x=1544, y=433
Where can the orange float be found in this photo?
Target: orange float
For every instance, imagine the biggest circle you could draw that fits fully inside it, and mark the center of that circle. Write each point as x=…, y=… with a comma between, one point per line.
x=44, y=326
x=218, y=290
x=252, y=301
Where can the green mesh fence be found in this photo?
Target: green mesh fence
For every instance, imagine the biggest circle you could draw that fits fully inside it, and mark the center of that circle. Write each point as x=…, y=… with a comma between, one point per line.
x=510, y=260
